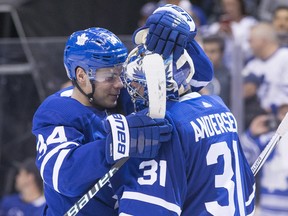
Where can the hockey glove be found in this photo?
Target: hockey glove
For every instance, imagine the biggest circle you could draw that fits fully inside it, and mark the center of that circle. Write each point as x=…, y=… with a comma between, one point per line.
x=170, y=28
x=136, y=135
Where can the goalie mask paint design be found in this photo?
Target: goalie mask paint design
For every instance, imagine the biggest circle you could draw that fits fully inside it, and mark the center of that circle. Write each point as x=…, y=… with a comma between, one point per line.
x=178, y=76
x=92, y=49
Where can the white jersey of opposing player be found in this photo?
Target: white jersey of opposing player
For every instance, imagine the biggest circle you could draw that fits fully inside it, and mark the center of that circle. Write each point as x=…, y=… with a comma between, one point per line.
x=273, y=89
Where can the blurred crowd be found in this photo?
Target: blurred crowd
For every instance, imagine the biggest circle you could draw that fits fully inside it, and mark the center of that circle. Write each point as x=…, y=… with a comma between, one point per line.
x=254, y=35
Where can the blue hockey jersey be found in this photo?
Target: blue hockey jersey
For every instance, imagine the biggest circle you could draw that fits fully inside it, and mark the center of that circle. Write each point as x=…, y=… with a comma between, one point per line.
x=12, y=205
x=71, y=155
x=201, y=172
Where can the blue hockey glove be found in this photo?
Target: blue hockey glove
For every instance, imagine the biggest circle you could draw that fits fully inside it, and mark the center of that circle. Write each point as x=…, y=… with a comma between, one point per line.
x=203, y=66
x=170, y=28
x=136, y=135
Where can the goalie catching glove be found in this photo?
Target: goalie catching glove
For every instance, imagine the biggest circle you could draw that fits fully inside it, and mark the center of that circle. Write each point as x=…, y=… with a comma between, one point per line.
x=136, y=135
x=167, y=31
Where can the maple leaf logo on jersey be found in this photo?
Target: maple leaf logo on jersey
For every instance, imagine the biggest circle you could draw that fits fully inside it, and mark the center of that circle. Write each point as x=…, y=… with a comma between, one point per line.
x=81, y=39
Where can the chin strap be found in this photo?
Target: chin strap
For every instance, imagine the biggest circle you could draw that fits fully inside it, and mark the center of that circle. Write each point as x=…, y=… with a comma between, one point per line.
x=90, y=95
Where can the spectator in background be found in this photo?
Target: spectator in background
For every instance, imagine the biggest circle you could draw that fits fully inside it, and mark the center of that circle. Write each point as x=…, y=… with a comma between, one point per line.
x=210, y=8
x=29, y=201
x=234, y=26
x=220, y=85
x=198, y=16
x=280, y=23
x=185, y=4
x=200, y=19
x=266, y=8
x=272, y=178
x=265, y=76
x=146, y=10
x=195, y=11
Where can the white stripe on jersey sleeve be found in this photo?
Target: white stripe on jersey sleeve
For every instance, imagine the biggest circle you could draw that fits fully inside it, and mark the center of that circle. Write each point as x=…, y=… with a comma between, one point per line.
x=196, y=83
x=51, y=153
x=57, y=167
x=152, y=200
x=252, y=196
x=238, y=181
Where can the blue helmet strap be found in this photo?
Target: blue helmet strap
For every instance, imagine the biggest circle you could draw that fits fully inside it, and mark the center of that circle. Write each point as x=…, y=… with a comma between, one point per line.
x=90, y=95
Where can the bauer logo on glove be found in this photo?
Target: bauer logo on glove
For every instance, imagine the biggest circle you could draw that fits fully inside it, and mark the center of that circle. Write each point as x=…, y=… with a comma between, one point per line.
x=119, y=148
x=136, y=135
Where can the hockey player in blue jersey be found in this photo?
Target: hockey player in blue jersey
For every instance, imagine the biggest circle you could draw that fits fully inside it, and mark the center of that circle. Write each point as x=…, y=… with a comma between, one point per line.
x=73, y=150
x=168, y=30
x=202, y=170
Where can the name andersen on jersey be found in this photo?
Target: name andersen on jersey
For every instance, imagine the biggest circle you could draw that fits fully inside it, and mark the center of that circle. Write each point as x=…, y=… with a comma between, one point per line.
x=213, y=124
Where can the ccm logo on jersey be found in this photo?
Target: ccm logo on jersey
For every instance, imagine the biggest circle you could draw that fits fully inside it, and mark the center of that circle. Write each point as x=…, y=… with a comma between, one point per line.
x=120, y=135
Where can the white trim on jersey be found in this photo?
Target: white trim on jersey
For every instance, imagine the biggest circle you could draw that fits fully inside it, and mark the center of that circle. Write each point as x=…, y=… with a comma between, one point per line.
x=252, y=213
x=57, y=167
x=52, y=153
x=67, y=93
x=251, y=197
x=152, y=200
x=124, y=214
x=238, y=181
x=189, y=96
x=196, y=83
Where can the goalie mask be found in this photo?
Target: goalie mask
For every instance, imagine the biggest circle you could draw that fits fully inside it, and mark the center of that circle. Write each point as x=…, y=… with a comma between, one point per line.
x=178, y=76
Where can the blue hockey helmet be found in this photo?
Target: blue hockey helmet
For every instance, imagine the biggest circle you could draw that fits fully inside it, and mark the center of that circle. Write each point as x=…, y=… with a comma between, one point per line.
x=91, y=49
x=178, y=76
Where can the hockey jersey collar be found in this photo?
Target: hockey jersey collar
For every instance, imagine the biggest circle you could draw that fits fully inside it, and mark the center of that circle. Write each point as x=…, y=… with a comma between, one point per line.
x=189, y=96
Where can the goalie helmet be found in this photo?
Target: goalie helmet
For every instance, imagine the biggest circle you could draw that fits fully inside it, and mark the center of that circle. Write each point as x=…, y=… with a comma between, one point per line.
x=91, y=49
x=178, y=76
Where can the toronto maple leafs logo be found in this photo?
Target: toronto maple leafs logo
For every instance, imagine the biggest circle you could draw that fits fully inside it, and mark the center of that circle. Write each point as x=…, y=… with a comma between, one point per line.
x=138, y=71
x=81, y=39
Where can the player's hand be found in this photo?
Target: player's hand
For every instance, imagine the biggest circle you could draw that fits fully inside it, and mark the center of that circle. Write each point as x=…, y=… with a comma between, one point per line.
x=170, y=28
x=259, y=125
x=136, y=135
